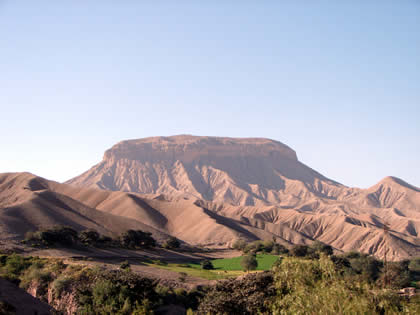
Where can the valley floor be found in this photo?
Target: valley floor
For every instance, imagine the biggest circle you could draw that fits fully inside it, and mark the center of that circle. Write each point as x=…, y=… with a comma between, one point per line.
x=147, y=263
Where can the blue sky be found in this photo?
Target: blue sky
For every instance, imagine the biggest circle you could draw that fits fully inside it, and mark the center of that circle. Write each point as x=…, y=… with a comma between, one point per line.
x=338, y=82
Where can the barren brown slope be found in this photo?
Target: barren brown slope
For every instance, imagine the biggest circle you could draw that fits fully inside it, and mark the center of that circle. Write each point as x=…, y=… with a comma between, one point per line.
x=31, y=202
x=343, y=224
x=336, y=225
x=260, y=184
x=27, y=203
x=209, y=224
x=239, y=171
x=353, y=221
x=185, y=219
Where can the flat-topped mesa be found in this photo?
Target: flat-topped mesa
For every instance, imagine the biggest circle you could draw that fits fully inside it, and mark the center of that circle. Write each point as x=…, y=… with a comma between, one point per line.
x=239, y=171
x=186, y=148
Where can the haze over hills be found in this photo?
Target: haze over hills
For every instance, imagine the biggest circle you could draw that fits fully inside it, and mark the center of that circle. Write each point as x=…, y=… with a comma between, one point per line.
x=212, y=191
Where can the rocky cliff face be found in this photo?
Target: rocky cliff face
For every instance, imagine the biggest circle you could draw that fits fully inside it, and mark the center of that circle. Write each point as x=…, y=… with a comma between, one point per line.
x=260, y=185
x=239, y=171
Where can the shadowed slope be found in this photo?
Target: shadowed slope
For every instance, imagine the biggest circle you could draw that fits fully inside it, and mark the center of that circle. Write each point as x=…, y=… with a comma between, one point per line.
x=23, y=210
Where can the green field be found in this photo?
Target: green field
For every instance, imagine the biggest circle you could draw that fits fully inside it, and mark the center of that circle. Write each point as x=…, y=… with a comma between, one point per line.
x=223, y=268
x=196, y=271
x=265, y=261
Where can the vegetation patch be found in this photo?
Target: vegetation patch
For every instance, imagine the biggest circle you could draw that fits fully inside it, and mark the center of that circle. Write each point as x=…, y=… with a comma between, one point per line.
x=265, y=262
x=195, y=270
x=351, y=283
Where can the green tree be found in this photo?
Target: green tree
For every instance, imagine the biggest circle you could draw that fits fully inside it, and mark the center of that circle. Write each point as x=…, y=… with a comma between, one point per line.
x=125, y=265
x=316, y=287
x=320, y=247
x=300, y=250
x=250, y=295
x=136, y=239
x=89, y=237
x=249, y=262
x=279, y=249
x=171, y=243
x=397, y=276
x=239, y=244
x=206, y=264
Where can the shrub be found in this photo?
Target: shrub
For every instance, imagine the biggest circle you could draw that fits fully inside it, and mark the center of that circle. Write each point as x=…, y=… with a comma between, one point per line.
x=320, y=247
x=315, y=287
x=395, y=276
x=3, y=259
x=136, y=239
x=341, y=263
x=254, y=247
x=182, y=276
x=162, y=290
x=239, y=244
x=206, y=264
x=279, y=249
x=249, y=262
x=366, y=266
x=299, y=251
x=106, y=292
x=267, y=246
x=414, y=265
x=125, y=265
x=35, y=274
x=251, y=295
x=171, y=243
x=63, y=235
x=61, y=284
x=106, y=240
x=89, y=237
x=15, y=264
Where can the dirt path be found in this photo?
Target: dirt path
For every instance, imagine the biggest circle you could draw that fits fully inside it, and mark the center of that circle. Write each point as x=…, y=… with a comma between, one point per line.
x=111, y=254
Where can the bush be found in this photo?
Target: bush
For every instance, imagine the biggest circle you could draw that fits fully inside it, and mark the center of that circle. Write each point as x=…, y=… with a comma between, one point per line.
x=136, y=239
x=89, y=237
x=299, y=251
x=35, y=274
x=320, y=247
x=239, y=244
x=249, y=262
x=206, y=264
x=251, y=295
x=395, y=276
x=267, y=246
x=414, y=265
x=15, y=264
x=315, y=287
x=182, y=276
x=366, y=266
x=60, y=285
x=171, y=243
x=279, y=249
x=125, y=265
x=62, y=235
x=254, y=247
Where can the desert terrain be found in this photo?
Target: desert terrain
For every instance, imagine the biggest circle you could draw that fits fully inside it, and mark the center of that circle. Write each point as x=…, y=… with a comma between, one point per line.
x=210, y=192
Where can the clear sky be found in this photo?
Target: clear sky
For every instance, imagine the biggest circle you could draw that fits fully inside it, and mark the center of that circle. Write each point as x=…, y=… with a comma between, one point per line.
x=338, y=81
